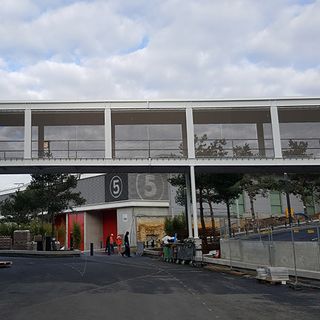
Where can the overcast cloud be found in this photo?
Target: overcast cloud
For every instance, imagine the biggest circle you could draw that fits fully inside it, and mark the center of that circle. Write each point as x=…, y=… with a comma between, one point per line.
x=142, y=49
x=158, y=49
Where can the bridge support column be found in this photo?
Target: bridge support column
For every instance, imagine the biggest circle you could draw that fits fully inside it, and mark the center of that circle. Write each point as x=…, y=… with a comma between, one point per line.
x=27, y=133
x=107, y=133
x=194, y=202
x=190, y=133
x=276, y=131
x=197, y=241
x=188, y=206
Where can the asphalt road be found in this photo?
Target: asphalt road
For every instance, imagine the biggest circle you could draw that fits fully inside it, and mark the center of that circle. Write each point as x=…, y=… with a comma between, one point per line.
x=113, y=287
x=302, y=233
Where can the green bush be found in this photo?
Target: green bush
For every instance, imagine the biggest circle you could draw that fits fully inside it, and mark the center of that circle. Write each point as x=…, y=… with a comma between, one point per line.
x=177, y=225
x=76, y=235
x=7, y=228
x=36, y=227
x=168, y=226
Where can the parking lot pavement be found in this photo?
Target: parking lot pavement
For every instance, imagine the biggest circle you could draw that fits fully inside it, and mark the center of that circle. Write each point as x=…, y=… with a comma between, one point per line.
x=102, y=287
x=307, y=232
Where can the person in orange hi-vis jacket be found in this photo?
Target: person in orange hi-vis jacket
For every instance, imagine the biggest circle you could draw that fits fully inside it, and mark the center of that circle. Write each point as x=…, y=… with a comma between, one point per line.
x=119, y=243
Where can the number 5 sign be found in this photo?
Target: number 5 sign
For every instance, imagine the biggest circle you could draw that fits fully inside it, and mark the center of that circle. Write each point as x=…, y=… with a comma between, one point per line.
x=116, y=187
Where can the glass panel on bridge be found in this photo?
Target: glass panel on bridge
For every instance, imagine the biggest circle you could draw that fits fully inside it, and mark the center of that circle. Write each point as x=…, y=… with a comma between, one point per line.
x=11, y=135
x=149, y=134
x=68, y=135
x=233, y=133
x=299, y=130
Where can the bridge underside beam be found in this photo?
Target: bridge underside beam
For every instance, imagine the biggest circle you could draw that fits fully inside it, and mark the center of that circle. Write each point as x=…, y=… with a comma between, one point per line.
x=36, y=169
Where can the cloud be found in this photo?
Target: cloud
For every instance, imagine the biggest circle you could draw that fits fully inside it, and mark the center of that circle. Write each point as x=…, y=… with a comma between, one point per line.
x=69, y=33
x=292, y=40
x=167, y=49
x=111, y=49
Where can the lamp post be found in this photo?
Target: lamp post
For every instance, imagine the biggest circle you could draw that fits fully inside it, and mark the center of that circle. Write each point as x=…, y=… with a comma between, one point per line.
x=286, y=179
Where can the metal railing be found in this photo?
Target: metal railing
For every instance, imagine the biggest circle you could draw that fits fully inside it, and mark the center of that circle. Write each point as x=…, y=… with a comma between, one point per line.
x=156, y=148
x=234, y=148
x=69, y=149
x=11, y=149
x=301, y=148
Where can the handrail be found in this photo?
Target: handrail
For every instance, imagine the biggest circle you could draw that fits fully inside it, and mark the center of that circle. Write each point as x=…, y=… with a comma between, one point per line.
x=153, y=148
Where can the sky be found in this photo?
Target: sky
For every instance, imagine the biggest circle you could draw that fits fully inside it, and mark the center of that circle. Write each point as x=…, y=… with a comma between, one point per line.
x=160, y=49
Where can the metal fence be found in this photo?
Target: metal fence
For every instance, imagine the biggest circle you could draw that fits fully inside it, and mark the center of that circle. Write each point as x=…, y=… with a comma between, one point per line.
x=295, y=247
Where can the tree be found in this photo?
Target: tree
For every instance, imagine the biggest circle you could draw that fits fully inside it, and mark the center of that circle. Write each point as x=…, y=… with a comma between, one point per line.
x=54, y=193
x=253, y=185
x=227, y=188
x=242, y=151
x=296, y=148
x=177, y=225
x=203, y=148
x=19, y=207
x=305, y=186
x=179, y=182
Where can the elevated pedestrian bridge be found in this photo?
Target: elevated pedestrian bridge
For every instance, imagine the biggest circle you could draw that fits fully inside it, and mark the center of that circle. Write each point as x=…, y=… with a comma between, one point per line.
x=172, y=136
x=239, y=135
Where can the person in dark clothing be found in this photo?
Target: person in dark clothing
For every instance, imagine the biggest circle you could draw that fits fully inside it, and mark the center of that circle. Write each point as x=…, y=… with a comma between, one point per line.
x=108, y=246
x=126, y=245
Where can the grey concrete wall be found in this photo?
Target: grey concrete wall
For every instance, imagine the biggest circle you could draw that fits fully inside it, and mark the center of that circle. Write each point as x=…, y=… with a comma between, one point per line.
x=276, y=254
x=151, y=212
x=147, y=186
x=94, y=227
x=92, y=189
x=125, y=222
x=140, y=187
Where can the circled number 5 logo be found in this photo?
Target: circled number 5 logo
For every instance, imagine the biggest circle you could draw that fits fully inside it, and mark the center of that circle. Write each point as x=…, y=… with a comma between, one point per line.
x=116, y=186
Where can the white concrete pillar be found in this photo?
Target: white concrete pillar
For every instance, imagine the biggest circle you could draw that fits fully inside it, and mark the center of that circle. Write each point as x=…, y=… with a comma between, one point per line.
x=188, y=206
x=190, y=133
x=275, y=131
x=107, y=133
x=27, y=133
x=194, y=202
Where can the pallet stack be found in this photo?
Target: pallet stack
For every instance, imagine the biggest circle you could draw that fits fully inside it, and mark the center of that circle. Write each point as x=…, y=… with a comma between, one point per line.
x=277, y=274
x=5, y=243
x=273, y=274
x=21, y=240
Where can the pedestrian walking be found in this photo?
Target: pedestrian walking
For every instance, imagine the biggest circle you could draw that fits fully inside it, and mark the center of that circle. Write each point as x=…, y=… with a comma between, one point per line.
x=108, y=249
x=111, y=243
x=126, y=245
x=119, y=244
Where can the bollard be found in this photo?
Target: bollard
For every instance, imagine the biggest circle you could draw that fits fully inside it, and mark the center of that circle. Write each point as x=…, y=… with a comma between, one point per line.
x=91, y=249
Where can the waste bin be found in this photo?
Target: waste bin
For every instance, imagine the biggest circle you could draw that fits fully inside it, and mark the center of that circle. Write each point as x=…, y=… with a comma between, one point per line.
x=48, y=243
x=39, y=245
x=185, y=251
x=38, y=239
x=169, y=252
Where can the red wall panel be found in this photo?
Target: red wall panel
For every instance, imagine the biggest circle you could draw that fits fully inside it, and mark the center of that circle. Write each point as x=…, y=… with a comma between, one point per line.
x=109, y=224
x=76, y=218
x=60, y=223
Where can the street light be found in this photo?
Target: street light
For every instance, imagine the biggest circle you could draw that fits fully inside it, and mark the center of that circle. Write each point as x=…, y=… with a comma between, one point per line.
x=286, y=179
